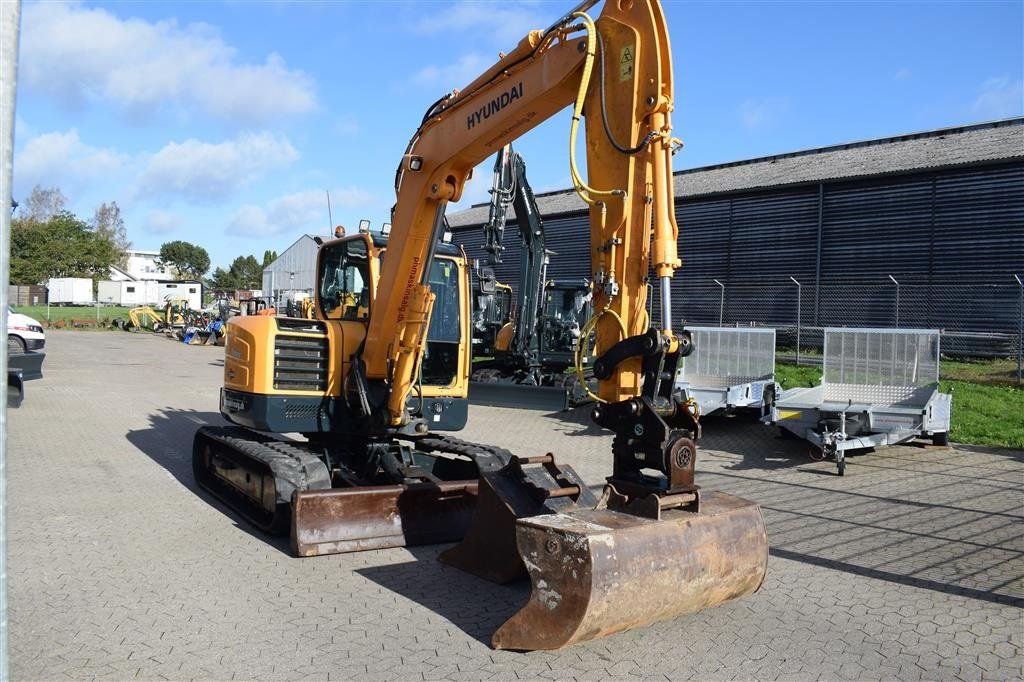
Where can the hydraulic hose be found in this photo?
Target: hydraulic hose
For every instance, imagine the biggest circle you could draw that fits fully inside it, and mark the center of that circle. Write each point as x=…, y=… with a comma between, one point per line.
x=586, y=192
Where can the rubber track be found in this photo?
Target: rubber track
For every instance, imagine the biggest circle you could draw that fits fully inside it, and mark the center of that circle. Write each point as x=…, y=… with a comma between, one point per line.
x=487, y=457
x=292, y=467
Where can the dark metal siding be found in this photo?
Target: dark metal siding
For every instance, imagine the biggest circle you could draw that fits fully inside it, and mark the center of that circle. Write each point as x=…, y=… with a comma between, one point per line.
x=941, y=233
x=979, y=224
x=567, y=235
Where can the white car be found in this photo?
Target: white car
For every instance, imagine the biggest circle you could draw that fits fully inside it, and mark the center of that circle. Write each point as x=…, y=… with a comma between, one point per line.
x=23, y=333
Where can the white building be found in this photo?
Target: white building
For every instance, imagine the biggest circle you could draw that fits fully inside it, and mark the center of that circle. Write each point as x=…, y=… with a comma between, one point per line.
x=143, y=265
x=294, y=271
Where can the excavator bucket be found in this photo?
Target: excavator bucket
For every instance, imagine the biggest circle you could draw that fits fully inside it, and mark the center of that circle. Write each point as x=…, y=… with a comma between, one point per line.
x=596, y=572
x=376, y=517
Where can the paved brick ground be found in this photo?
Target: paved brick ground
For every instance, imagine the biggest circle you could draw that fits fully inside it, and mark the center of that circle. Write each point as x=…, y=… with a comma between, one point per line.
x=909, y=567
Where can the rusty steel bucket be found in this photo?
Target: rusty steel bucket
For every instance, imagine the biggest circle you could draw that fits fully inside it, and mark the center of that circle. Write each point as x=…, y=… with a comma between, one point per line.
x=597, y=572
x=377, y=517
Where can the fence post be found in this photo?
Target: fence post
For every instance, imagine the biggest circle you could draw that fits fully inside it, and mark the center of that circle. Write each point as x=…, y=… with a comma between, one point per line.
x=798, y=306
x=897, y=299
x=721, y=301
x=1020, y=328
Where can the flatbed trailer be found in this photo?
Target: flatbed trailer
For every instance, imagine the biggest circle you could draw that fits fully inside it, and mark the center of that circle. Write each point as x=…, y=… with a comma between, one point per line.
x=730, y=368
x=879, y=387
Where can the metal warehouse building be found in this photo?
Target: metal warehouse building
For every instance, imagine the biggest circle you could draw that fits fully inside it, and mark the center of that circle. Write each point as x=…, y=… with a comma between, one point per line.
x=920, y=230
x=293, y=271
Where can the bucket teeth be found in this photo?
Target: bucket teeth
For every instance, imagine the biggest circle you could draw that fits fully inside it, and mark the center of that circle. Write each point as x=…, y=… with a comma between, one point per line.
x=597, y=572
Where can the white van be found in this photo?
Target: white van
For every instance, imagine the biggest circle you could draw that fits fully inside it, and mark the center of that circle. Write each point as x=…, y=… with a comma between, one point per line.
x=23, y=333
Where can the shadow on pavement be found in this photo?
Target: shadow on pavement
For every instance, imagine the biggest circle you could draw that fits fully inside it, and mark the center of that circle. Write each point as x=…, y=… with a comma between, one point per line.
x=577, y=422
x=474, y=605
x=168, y=442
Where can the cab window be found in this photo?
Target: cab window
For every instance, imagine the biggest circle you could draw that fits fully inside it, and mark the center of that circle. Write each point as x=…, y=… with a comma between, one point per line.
x=444, y=318
x=345, y=280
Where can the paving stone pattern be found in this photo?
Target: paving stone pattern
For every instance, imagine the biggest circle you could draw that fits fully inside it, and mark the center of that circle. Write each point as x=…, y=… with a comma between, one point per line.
x=909, y=567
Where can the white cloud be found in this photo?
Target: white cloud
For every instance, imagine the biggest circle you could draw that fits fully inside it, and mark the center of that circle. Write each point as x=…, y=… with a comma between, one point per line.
x=759, y=113
x=62, y=159
x=205, y=171
x=78, y=54
x=902, y=75
x=1000, y=98
x=297, y=213
x=506, y=22
x=162, y=222
x=457, y=75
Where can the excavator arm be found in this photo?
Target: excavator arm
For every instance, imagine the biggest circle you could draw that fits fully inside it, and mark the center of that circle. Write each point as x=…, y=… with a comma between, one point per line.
x=655, y=545
x=512, y=188
x=619, y=71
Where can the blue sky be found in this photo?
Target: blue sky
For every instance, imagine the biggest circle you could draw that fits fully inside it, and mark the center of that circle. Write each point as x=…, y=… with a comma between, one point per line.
x=225, y=124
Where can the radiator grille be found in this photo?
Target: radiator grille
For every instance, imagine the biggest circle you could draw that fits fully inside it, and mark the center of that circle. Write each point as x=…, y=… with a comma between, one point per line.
x=300, y=363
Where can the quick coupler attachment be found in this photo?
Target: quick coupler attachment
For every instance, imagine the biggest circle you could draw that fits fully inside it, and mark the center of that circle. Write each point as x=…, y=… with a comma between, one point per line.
x=596, y=572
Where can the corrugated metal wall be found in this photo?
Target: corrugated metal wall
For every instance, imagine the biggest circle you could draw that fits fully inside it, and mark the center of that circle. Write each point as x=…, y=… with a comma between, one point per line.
x=300, y=259
x=933, y=231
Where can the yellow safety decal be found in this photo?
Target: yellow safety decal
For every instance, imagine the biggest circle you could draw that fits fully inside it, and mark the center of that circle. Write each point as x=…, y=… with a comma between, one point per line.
x=789, y=414
x=626, y=64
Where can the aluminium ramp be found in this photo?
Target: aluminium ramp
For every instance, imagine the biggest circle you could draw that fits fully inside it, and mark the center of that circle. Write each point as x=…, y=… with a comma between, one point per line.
x=879, y=387
x=730, y=368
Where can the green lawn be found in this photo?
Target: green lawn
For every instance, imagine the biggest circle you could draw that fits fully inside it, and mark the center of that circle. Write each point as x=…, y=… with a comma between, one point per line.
x=69, y=313
x=986, y=415
x=983, y=413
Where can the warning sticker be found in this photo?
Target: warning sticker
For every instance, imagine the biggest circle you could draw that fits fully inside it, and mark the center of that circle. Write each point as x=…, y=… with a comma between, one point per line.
x=626, y=63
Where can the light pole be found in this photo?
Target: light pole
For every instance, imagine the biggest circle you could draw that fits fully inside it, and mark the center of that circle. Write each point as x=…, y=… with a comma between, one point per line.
x=897, y=299
x=1020, y=328
x=721, y=301
x=799, y=300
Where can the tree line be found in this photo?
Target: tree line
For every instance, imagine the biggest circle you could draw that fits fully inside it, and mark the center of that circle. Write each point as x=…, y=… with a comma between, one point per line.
x=48, y=240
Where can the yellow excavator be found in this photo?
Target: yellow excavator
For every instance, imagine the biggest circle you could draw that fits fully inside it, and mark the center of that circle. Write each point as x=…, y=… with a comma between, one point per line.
x=376, y=379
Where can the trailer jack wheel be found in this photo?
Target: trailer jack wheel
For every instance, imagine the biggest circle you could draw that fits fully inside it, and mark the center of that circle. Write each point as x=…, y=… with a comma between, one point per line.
x=841, y=464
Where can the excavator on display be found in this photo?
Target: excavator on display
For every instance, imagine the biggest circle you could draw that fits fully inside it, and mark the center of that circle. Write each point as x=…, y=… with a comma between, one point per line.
x=376, y=379
x=533, y=350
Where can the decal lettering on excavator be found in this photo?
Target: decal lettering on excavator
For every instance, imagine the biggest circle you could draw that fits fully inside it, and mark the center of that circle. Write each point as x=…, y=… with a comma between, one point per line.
x=495, y=105
x=409, y=283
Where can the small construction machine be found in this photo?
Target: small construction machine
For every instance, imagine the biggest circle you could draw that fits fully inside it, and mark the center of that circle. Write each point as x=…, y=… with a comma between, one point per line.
x=376, y=380
x=538, y=343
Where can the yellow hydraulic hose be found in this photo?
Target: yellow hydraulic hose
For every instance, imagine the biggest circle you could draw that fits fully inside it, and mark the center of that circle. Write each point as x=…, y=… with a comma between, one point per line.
x=586, y=192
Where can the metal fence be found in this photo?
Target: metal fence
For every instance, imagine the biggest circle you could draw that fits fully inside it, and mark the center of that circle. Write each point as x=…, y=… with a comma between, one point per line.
x=975, y=320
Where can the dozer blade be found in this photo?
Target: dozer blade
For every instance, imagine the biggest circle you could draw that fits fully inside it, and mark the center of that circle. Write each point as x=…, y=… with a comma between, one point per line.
x=499, y=394
x=377, y=517
x=596, y=572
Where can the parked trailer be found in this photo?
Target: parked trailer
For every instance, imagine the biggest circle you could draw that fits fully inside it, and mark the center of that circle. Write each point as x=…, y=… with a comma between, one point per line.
x=129, y=293
x=878, y=387
x=730, y=368
x=70, y=291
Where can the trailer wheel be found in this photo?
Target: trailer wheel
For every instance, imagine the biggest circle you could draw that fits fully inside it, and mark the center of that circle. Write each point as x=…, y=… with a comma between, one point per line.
x=940, y=438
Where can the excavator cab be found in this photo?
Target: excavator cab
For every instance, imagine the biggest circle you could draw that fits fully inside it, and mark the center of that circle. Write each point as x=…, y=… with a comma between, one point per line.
x=341, y=487
x=567, y=308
